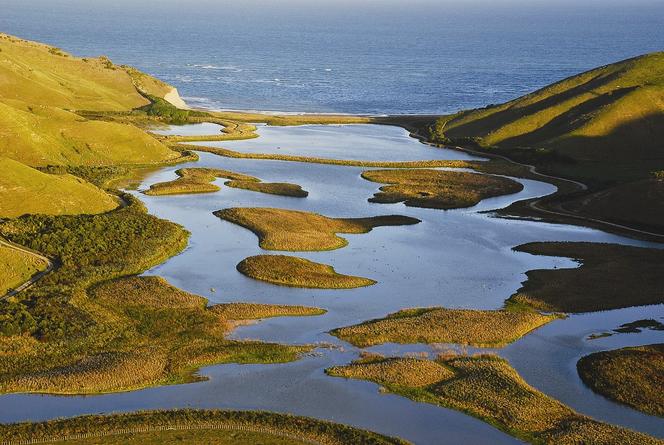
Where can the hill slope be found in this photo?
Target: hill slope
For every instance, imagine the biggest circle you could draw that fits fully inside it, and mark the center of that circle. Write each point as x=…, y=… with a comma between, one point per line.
x=604, y=127
x=41, y=86
x=26, y=190
x=40, y=74
x=613, y=112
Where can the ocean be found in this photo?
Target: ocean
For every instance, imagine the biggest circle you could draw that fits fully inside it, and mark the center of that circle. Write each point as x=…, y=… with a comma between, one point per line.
x=372, y=56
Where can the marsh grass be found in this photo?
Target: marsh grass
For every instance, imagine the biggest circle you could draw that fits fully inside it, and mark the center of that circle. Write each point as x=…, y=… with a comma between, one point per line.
x=611, y=276
x=438, y=189
x=199, y=180
x=487, y=387
x=85, y=329
x=632, y=376
x=152, y=334
x=292, y=230
x=441, y=325
x=255, y=311
x=292, y=271
x=193, y=426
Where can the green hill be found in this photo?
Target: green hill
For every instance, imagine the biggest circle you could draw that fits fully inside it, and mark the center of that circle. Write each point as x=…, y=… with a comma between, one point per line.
x=604, y=127
x=26, y=190
x=35, y=73
x=40, y=89
x=613, y=111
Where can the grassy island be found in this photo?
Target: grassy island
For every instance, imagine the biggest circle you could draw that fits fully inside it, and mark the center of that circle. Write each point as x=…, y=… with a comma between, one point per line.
x=441, y=325
x=292, y=230
x=611, y=276
x=192, y=426
x=292, y=271
x=632, y=376
x=488, y=388
x=438, y=189
x=199, y=180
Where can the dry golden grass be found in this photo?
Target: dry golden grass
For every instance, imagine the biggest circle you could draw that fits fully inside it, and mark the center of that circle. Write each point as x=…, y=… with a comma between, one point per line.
x=292, y=230
x=292, y=271
x=611, y=276
x=255, y=311
x=633, y=376
x=411, y=372
x=441, y=325
x=438, y=189
x=487, y=387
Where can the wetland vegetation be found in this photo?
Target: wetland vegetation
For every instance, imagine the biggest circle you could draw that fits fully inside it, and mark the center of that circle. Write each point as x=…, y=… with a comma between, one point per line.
x=633, y=376
x=286, y=270
x=487, y=387
x=199, y=180
x=293, y=230
x=438, y=189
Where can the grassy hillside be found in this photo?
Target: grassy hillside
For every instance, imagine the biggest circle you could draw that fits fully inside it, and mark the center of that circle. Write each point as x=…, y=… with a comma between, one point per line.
x=40, y=74
x=604, y=127
x=26, y=190
x=41, y=87
x=612, y=112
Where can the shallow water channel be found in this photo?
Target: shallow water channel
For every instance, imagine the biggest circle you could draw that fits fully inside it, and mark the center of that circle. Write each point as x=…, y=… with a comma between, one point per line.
x=455, y=258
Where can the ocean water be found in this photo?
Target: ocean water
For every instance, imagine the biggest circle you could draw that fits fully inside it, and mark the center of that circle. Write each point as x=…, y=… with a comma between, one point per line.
x=371, y=56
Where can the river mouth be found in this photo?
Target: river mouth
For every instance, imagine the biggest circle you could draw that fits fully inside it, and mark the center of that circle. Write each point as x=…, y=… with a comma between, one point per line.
x=456, y=258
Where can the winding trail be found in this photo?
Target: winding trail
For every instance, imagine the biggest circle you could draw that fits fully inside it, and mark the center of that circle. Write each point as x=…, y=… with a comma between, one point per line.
x=533, y=203
x=50, y=266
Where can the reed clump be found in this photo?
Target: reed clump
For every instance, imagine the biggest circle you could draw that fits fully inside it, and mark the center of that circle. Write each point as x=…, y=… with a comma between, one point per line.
x=631, y=376
x=292, y=271
x=292, y=230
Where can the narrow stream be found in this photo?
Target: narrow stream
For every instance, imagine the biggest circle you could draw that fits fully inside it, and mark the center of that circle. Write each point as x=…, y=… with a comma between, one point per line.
x=456, y=258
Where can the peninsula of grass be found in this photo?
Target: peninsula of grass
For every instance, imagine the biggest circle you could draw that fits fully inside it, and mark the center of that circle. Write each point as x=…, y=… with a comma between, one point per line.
x=16, y=267
x=631, y=376
x=610, y=276
x=438, y=189
x=199, y=180
x=89, y=328
x=285, y=270
x=488, y=388
x=256, y=311
x=292, y=230
x=440, y=325
x=214, y=427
